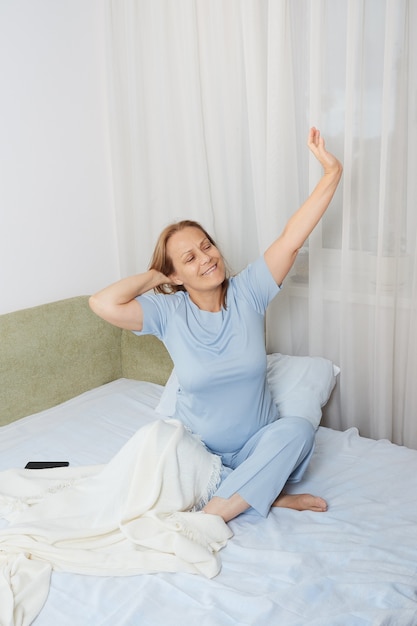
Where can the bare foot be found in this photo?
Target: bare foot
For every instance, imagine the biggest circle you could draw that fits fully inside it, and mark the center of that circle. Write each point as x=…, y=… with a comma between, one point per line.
x=301, y=502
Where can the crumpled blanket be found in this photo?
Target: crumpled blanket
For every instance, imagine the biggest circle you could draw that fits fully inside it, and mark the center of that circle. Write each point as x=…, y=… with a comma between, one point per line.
x=140, y=513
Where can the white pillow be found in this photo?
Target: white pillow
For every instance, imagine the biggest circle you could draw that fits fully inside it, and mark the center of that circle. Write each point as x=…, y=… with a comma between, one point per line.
x=166, y=405
x=300, y=386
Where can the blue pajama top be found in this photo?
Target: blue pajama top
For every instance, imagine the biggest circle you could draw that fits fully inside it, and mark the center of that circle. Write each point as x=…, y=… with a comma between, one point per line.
x=219, y=358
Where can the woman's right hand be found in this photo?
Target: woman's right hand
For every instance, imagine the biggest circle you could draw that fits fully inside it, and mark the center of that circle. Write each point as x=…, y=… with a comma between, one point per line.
x=161, y=279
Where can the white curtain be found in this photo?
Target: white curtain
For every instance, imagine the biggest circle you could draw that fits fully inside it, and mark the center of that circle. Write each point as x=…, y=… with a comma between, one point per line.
x=211, y=102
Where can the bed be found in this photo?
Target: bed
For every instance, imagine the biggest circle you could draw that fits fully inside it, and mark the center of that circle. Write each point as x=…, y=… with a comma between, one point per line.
x=74, y=388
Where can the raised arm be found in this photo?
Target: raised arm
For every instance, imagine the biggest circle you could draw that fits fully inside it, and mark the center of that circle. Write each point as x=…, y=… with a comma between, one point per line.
x=281, y=255
x=116, y=304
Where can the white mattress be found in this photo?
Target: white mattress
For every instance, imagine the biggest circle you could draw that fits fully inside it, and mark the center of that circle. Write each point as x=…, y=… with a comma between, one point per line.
x=354, y=565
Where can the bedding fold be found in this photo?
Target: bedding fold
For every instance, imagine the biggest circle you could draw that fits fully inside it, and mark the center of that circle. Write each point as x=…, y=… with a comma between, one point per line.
x=140, y=513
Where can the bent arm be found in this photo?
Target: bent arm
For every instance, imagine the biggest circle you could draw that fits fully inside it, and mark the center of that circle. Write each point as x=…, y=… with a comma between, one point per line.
x=281, y=255
x=117, y=305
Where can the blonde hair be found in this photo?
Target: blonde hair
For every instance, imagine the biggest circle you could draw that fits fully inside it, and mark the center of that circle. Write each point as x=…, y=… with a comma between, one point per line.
x=162, y=262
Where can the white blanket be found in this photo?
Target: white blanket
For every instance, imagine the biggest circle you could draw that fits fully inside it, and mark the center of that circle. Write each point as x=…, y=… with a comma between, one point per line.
x=137, y=514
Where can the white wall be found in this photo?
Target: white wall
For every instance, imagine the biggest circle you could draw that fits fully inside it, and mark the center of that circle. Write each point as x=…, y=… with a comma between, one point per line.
x=57, y=236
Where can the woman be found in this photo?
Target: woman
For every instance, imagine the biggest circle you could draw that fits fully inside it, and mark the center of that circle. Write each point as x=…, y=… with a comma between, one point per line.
x=213, y=328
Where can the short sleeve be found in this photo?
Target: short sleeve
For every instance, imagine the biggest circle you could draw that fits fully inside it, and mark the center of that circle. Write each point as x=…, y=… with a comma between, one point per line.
x=256, y=285
x=157, y=310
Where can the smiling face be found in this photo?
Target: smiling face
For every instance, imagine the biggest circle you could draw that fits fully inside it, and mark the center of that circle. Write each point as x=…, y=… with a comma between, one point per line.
x=198, y=264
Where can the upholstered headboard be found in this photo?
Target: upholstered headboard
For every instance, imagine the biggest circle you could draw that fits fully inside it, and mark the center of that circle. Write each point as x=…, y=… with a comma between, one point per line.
x=53, y=352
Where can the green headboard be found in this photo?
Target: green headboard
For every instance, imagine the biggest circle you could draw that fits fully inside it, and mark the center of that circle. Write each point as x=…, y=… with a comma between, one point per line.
x=53, y=352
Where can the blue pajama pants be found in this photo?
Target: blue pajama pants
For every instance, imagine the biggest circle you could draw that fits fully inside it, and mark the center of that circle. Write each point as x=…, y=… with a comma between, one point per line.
x=277, y=454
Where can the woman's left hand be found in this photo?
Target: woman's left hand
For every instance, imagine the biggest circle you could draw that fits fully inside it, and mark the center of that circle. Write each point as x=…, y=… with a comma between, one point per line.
x=317, y=146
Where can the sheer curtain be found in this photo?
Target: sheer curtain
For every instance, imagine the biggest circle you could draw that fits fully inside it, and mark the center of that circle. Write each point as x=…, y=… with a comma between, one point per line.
x=211, y=103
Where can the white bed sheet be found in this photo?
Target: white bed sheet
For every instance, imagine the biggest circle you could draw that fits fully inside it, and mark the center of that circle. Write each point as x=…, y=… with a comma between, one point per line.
x=355, y=565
